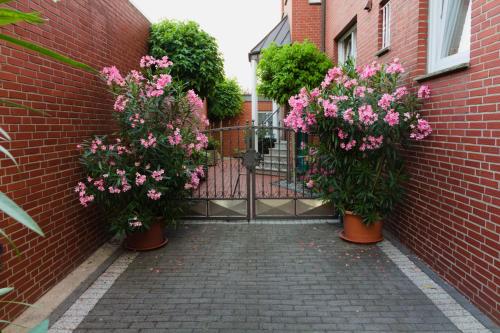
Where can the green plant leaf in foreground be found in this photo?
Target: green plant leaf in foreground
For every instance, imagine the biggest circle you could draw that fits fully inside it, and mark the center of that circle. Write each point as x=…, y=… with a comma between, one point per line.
x=13, y=210
x=9, y=16
x=20, y=106
x=49, y=53
x=41, y=328
x=5, y=291
x=8, y=154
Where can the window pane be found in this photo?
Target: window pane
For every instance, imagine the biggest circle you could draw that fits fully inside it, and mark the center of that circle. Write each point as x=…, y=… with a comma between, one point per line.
x=456, y=35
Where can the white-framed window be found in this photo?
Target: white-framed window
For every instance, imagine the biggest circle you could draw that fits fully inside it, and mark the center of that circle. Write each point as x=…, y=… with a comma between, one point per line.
x=386, y=25
x=347, y=46
x=449, y=33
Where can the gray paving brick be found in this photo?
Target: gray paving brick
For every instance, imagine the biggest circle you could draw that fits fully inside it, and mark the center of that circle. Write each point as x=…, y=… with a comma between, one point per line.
x=263, y=278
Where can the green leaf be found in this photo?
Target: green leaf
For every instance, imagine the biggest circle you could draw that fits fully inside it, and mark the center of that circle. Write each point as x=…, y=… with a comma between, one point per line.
x=9, y=16
x=41, y=328
x=49, y=53
x=9, y=155
x=10, y=208
x=17, y=105
x=4, y=1
x=4, y=135
x=9, y=240
x=5, y=291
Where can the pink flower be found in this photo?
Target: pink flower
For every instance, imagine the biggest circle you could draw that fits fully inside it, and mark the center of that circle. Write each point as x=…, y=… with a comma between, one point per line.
x=368, y=71
x=394, y=67
x=202, y=141
x=424, y=92
x=366, y=114
x=385, y=101
x=360, y=91
x=194, y=100
x=154, y=194
x=164, y=62
x=112, y=75
x=149, y=142
x=135, y=120
x=348, y=116
x=348, y=146
x=120, y=172
x=371, y=143
x=147, y=61
x=400, y=92
x=310, y=183
x=114, y=190
x=139, y=179
x=162, y=81
x=84, y=200
x=341, y=134
x=158, y=175
x=135, y=76
x=100, y=185
x=176, y=138
x=330, y=109
x=392, y=118
x=194, y=181
x=422, y=130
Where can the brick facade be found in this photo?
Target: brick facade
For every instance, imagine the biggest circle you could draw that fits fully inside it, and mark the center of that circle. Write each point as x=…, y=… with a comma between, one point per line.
x=451, y=214
x=97, y=32
x=305, y=20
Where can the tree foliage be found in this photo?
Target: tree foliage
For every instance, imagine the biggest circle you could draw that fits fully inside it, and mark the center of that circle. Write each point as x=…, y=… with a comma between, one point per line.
x=226, y=101
x=284, y=70
x=195, y=54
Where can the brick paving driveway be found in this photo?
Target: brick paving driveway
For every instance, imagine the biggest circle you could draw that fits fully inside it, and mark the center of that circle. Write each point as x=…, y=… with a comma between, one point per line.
x=258, y=278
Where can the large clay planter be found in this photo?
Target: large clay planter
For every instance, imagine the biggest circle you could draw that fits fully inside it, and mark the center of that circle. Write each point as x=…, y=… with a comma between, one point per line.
x=356, y=231
x=152, y=239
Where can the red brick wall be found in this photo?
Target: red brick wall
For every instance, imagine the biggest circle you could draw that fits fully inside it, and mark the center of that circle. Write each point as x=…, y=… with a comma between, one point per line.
x=305, y=21
x=451, y=214
x=97, y=32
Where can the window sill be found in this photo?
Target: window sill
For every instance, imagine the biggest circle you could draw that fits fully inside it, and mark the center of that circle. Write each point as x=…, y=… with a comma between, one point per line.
x=383, y=51
x=442, y=72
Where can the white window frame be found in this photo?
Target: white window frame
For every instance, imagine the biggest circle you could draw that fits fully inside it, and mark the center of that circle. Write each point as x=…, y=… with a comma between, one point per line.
x=314, y=2
x=340, y=45
x=437, y=25
x=386, y=25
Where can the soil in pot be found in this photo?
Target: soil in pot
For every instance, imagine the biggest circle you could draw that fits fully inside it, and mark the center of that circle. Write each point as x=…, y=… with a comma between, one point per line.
x=151, y=239
x=355, y=231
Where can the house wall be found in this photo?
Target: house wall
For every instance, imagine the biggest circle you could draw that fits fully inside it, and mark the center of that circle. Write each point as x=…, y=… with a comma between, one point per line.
x=451, y=214
x=305, y=21
x=99, y=33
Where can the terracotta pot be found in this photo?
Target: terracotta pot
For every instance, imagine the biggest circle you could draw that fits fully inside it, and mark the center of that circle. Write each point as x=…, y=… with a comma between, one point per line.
x=356, y=231
x=152, y=239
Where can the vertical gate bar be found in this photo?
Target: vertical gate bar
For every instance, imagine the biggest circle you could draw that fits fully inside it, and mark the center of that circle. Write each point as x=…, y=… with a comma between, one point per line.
x=207, y=176
x=288, y=178
x=239, y=163
x=294, y=161
x=230, y=164
x=278, y=173
x=222, y=158
x=263, y=172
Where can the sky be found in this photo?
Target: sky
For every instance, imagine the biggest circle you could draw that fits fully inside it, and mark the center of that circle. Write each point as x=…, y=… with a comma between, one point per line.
x=238, y=25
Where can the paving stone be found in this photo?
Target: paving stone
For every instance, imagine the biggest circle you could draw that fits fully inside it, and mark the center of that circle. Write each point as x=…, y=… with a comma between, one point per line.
x=261, y=277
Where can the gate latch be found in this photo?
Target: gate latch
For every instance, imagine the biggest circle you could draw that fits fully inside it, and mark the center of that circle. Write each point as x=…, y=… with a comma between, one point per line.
x=251, y=159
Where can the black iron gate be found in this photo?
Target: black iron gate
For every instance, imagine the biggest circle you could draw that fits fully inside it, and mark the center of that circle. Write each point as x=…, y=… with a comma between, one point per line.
x=256, y=171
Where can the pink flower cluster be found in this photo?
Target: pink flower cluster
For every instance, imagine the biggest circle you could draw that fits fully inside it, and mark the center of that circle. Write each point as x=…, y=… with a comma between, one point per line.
x=154, y=194
x=392, y=118
x=330, y=108
x=349, y=145
x=371, y=142
x=424, y=92
x=334, y=73
x=194, y=100
x=202, y=141
x=368, y=71
x=81, y=189
x=395, y=67
x=149, y=142
x=366, y=115
x=400, y=93
x=135, y=120
x=176, y=138
x=148, y=61
x=348, y=116
x=140, y=179
x=385, y=101
x=120, y=103
x=113, y=76
x=158, y=175
x=422, y=130
x=194, y=180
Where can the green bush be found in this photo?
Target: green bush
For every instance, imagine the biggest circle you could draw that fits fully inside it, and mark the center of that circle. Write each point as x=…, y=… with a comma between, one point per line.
x=226, y=101
x=195, y=54
x=284, y=70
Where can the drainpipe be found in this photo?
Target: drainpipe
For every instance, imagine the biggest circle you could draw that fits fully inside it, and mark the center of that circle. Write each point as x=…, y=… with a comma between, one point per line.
x=255, y=100
x=323, y=25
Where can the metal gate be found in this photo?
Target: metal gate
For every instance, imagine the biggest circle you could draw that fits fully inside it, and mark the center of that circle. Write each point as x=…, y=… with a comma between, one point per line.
x=256, y=171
